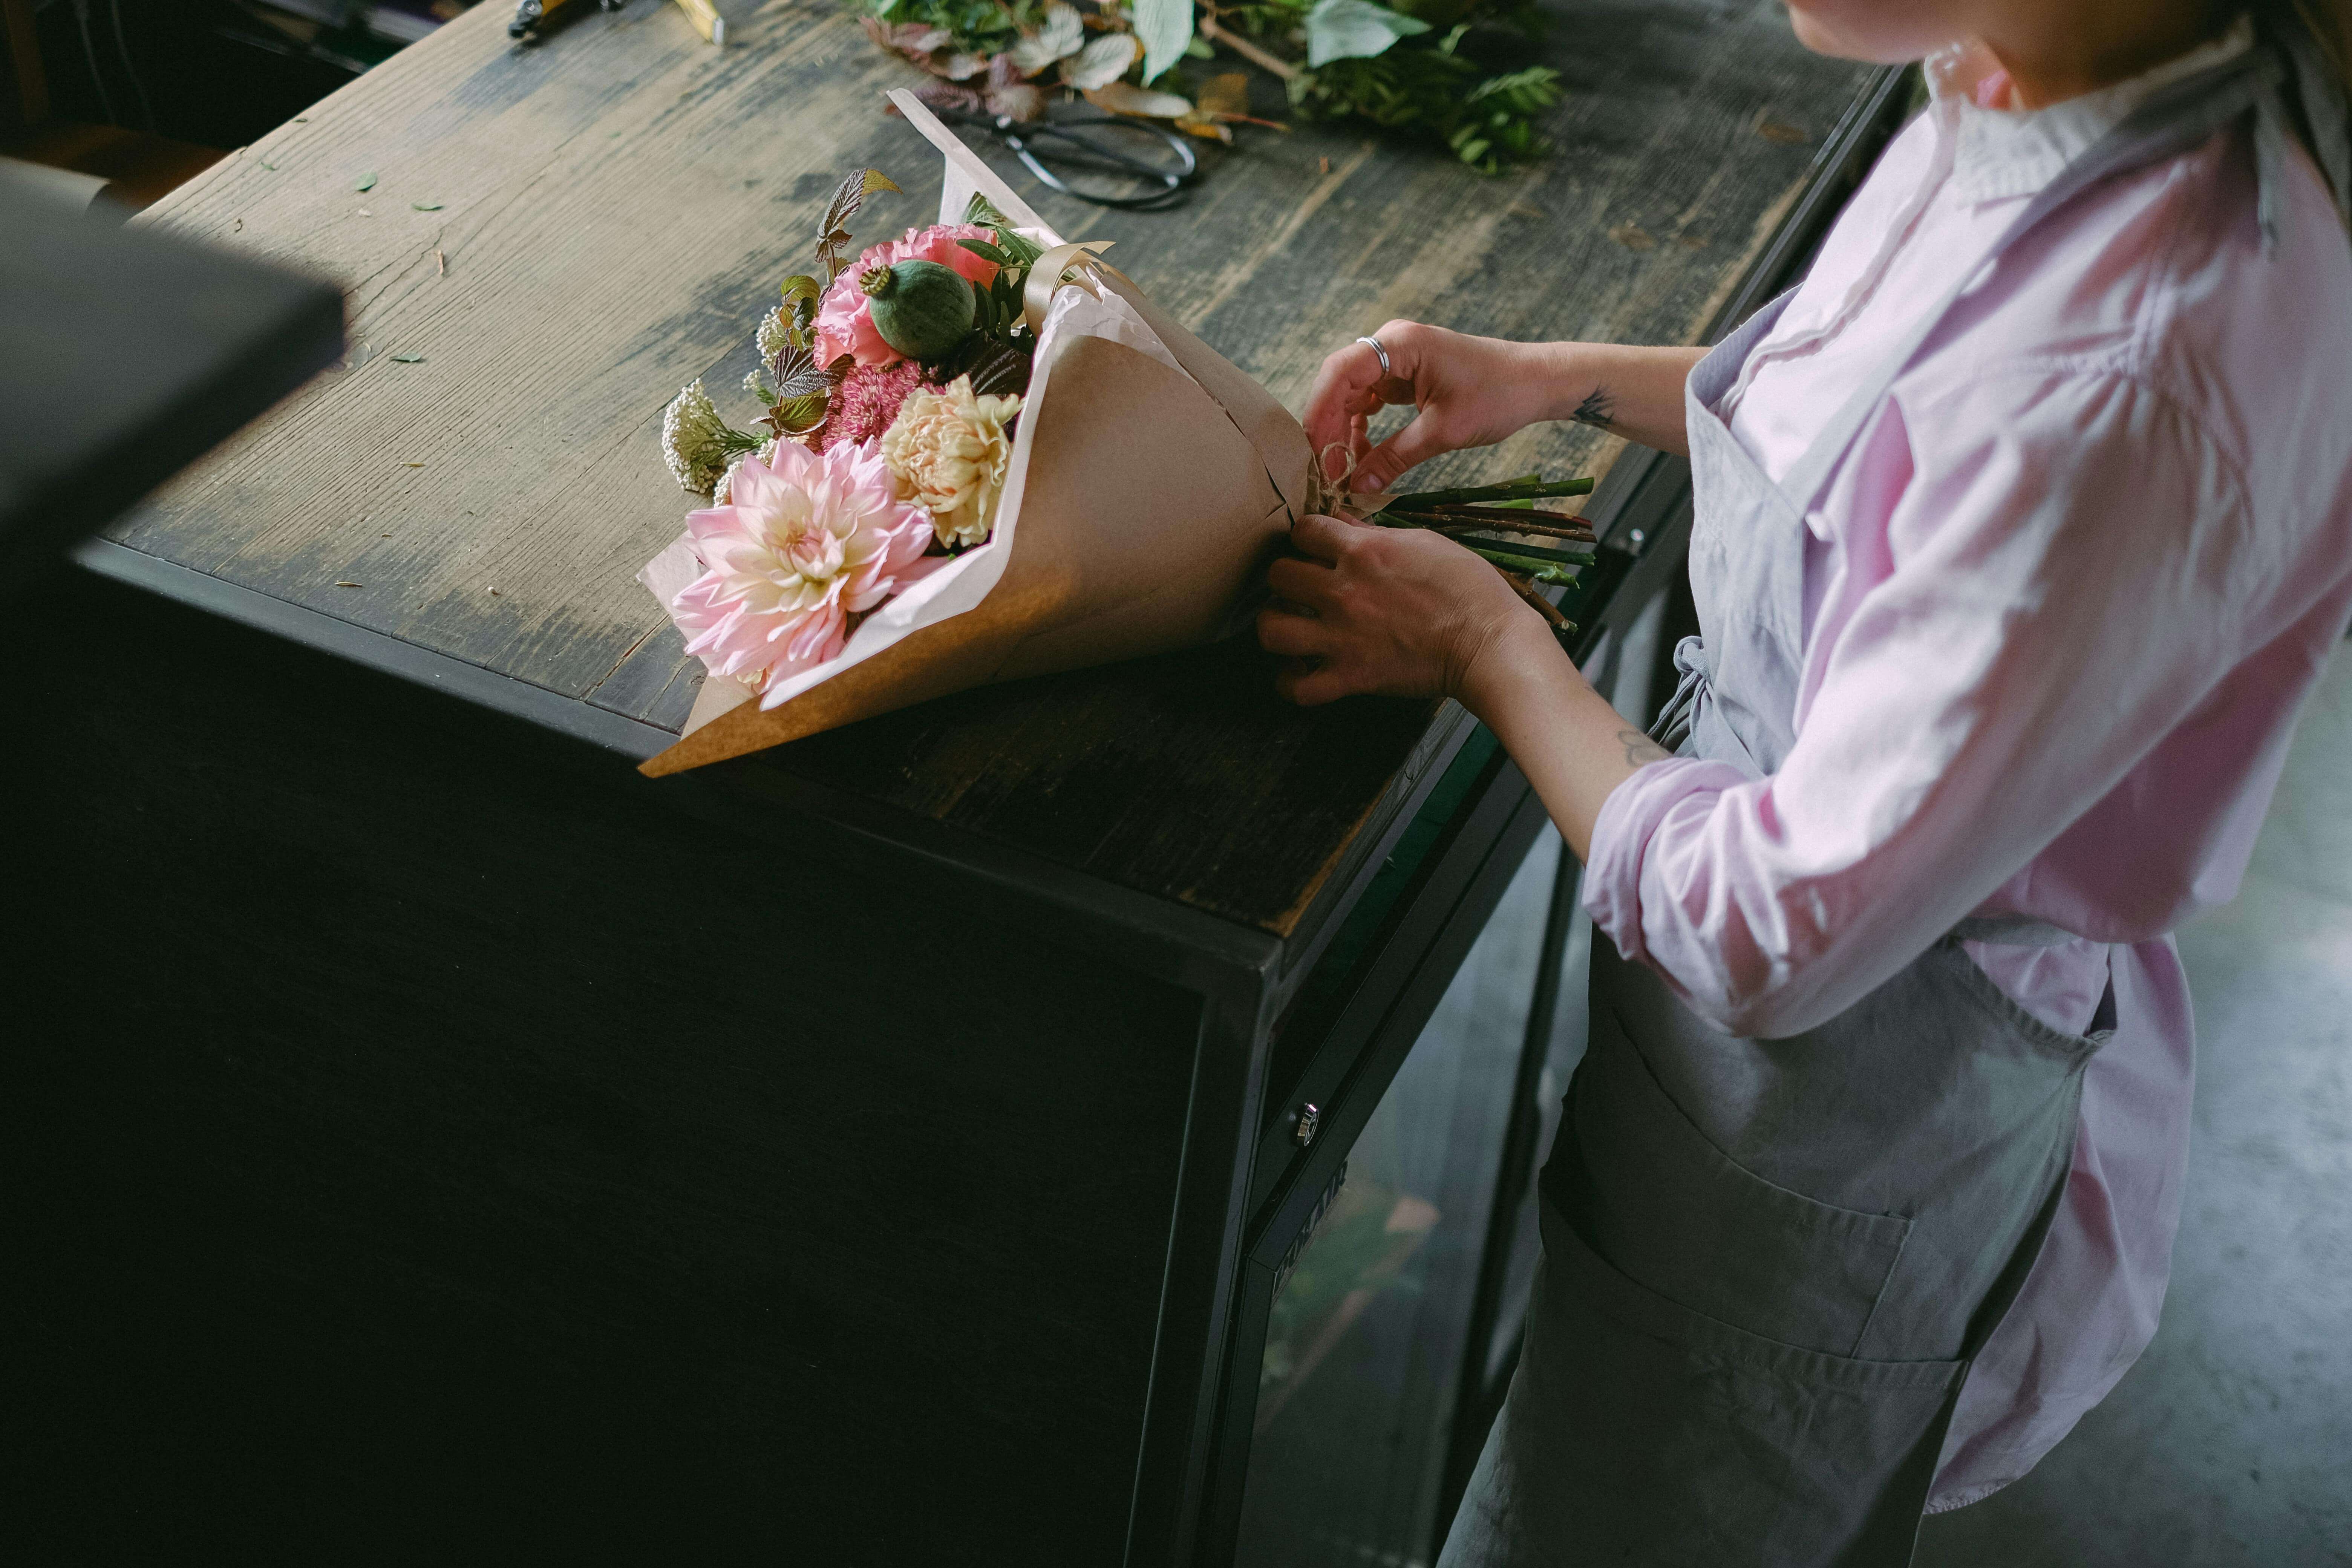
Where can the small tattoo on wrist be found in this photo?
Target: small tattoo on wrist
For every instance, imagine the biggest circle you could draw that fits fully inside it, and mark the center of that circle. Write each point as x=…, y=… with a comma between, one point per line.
x=1640, y=747
x=1599, y=408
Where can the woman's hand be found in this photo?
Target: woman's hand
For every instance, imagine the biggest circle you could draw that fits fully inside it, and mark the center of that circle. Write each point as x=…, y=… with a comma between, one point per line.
x=1399, y=611
x=1404, y=612
x=1474, y=392
x=1466, y=391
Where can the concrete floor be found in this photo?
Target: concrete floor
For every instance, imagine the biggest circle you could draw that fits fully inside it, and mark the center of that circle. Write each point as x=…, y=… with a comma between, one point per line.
x=2231, y=1442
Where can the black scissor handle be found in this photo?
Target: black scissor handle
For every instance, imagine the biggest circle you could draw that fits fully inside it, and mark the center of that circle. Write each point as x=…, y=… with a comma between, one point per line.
x=1018, y=137
x=1074, y=132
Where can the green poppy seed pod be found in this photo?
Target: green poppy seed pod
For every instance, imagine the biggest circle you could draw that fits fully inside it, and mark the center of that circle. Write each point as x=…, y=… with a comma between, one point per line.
x=922, y=308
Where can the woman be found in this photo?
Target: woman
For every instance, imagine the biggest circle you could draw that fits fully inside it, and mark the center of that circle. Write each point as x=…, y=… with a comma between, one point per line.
x=2023, y=529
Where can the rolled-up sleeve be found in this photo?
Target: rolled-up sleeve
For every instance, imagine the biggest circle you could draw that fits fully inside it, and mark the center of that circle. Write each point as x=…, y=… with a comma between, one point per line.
x=2064, y=574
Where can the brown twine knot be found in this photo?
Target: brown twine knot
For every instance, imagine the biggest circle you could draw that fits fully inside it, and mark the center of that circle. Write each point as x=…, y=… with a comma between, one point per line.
x=1327, y=496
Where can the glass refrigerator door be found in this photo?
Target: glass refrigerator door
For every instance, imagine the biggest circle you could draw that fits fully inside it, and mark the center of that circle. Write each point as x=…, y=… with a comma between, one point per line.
x=1365, y=1344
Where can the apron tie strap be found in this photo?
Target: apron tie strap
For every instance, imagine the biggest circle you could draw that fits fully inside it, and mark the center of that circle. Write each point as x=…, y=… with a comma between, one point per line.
x=1672, y=728
x=2318, y=101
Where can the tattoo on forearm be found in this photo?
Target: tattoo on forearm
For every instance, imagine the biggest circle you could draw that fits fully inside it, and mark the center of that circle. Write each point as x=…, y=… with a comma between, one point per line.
x=1598, y=408
x=1640, y=747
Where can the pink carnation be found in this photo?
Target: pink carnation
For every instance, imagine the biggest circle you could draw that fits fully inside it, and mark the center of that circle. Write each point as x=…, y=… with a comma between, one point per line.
x=807, y=541
x=868, y=400
x=844, y=321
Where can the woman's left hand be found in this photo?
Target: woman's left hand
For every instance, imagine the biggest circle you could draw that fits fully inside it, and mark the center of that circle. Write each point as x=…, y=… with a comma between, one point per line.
x=1398, y=611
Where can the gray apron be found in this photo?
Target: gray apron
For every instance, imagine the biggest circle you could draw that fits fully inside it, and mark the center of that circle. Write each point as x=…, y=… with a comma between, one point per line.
x=1769, y=1263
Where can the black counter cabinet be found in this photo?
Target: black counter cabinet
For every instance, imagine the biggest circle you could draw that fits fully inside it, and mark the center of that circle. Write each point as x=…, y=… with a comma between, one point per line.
x=432, y=1139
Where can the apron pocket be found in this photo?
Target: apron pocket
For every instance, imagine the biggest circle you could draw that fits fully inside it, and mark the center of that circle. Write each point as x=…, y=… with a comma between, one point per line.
x=1668, y=1209
x=1648, y=1433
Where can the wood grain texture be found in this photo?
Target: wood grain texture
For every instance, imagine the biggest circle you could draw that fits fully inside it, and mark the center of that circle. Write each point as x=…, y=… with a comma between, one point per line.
x=616, y=206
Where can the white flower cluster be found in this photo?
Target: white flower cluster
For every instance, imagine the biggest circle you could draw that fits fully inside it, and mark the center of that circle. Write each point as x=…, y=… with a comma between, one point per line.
x=696, y=442
x=771, y=338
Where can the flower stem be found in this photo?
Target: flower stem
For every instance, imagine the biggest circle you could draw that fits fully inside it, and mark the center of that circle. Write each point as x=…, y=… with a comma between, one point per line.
x=1261, y=59
x=1518, y=489
x=1542, y=571
x=1514, y=522
x=1466, y=536
x=1563, y=630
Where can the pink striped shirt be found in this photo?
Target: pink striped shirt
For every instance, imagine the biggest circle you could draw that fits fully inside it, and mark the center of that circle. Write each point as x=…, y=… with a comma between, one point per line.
x=2064, y=598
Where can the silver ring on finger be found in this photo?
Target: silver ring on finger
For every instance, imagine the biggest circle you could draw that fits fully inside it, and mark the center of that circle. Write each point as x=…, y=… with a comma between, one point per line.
x=1374, y=344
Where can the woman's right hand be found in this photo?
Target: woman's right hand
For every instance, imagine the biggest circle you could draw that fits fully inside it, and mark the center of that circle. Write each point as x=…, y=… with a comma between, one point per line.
x=1466, y=392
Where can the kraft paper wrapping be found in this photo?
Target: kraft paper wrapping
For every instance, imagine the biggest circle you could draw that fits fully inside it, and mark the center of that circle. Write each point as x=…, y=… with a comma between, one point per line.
x=1141, y=506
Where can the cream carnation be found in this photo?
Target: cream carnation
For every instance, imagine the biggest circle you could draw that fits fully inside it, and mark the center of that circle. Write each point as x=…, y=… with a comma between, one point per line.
x=807, y=541
x=948, y=451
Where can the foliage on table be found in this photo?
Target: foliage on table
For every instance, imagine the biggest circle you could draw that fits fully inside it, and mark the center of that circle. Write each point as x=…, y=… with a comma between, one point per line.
x=1454, y=70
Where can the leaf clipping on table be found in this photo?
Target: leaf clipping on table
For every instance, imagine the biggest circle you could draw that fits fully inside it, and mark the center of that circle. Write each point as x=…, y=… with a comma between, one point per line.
x=832, y=229
x=1064, y=34
x=426, y=206
x=408, y=359
x=1166, y=27
x=1100, y=63
x=1354, y=29
x=1224, y=95
x=1126, y=98
x=364, y=182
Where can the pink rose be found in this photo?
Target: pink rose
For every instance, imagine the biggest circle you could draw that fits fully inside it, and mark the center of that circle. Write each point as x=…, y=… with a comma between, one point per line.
x=844, y=321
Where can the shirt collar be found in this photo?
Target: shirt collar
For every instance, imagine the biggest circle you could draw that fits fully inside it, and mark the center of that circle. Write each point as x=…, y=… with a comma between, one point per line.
x=1999, y=153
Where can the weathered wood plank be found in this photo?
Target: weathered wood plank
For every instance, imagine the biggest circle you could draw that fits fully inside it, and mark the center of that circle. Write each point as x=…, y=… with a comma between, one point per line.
x=613, y=207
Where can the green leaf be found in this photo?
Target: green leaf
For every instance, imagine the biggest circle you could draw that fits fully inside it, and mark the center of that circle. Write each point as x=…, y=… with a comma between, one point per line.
x=986, y=251
x=426, y=206
x=800, y=295
x=408, y=359
x=802, y=412
x=364, y=182
x=1354, y=29
x=1165, y=26
x=1019, y=250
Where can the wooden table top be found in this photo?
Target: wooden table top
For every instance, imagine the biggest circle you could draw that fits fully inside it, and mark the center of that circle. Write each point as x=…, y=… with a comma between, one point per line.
x=553, y=238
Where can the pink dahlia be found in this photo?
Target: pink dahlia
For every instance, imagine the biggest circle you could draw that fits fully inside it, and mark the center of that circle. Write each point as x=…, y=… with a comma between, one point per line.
x=807, y=541
x=844, y=321
x=868, y=400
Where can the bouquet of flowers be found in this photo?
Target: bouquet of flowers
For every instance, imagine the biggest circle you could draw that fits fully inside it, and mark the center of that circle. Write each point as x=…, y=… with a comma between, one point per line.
x=988, y=455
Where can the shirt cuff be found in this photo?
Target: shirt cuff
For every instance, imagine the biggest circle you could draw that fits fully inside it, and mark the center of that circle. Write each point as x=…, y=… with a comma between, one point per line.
x=1620, y=841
